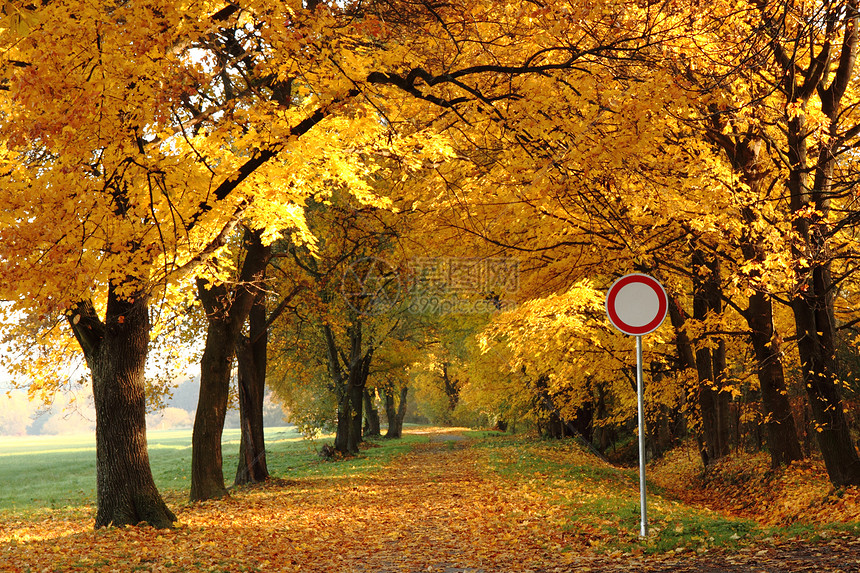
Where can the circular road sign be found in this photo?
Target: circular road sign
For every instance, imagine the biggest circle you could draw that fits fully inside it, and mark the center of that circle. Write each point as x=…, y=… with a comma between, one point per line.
x=636, y=304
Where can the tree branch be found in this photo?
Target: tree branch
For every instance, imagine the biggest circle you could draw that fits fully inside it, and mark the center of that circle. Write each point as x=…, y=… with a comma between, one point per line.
x=87, y=327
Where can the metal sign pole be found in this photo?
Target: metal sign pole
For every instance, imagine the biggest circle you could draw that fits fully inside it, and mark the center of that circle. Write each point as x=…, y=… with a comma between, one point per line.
x=643, y=524
x=637, y=304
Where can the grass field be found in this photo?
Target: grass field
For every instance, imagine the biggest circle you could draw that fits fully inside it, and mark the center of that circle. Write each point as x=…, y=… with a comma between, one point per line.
x=58, y=471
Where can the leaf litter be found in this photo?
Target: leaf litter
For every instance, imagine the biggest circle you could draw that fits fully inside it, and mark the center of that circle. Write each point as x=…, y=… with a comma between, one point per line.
x=443, y=507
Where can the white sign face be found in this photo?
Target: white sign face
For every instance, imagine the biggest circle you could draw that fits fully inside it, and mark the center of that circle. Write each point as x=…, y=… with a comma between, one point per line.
x=636, y=304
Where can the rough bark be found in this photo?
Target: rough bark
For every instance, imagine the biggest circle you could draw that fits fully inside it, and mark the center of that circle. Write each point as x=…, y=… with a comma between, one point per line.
x=711, y=361
x=781, y=430
x=356, y=399
x=360, y=370
x=116, y=352
x=782, y=438
x=810, y=207
x=251, y=355
x=339, y=380
x=226, y=312
x=814, y=319
x=371, y=416
x=344, y=418
x=207, y=477
x=686, y=360
x=350, y=385
x=745, y=156
x=348, y=432
x=394, y=414
x=451, y=387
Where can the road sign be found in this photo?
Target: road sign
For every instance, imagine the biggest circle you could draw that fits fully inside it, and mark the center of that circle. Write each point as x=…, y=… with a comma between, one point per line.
x=636, y=304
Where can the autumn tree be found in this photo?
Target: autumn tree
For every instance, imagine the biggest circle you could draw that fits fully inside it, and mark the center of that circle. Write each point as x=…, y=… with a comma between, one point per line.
x=751, y=243
x=353, y=310
x=784, y=117
x=303, y=386
x=743, y=151
x=227, y=310
x=239, y=53
x=252, y=359
x=403, y=350
x=558, y=358
x=132, y=149
x=450, y=316
x=628, y=206
x=819, y=64
x=356, y=289
x=535, y=116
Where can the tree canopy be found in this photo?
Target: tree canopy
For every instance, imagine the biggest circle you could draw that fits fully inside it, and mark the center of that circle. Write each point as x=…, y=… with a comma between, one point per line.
x=145, y=146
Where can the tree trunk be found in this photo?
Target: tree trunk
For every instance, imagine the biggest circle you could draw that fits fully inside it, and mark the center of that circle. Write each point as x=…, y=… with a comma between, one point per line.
x=390, y=412
x=724, y=398
x=344, y=422
x=349, y=411
x=226, y=312
x=371, y=416
x=116, y=352
x=348, y=434
x=550, y=423
x=782, y=438
x=356, y=398
x=714, y=404
x=710, y=362
x=207, y=476
x=395, y=415
x=813, y=315
x=812, y=304
x=251, y=354
x=351, y=395
x=451, y=387
x=666, y=431
x=744, y=153
x=340, y=382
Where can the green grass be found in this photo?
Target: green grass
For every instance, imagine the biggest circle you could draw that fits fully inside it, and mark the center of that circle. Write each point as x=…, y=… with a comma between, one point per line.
x=58, y=472
x=53, y=472
x=602, y=501
x=46, y=471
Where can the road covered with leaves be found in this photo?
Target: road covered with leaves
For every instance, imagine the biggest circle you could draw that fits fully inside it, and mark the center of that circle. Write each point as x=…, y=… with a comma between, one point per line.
x=450, y=505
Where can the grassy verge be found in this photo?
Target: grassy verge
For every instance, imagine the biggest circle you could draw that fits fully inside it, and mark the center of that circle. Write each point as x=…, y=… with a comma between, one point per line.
x=375, y=454
x=598, y=504
x=740, y=501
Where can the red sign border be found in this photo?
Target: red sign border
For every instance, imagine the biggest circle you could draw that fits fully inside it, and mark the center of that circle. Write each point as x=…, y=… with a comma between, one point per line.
x=662, y=309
